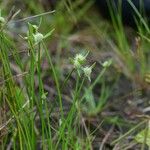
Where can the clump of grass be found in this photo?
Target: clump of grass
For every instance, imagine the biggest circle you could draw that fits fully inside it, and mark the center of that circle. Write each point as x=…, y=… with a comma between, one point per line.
x=28, y=106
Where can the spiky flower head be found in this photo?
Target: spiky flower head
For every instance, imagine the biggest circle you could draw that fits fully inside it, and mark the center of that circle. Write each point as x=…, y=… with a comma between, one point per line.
x=88, y=70
x=107, y=63
x=2, y=20
x=79, y=60
x=38, y=37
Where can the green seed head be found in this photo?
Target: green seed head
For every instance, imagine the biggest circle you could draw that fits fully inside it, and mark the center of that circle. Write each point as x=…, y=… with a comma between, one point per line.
x=79, y=60
x=107, y=63
x=38, y=37
x=88, y=70
x=2, y=20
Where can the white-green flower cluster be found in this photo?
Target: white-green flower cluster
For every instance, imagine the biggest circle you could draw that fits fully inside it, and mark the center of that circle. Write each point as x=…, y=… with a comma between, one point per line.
x=38, y=37
x=88, y=70
x=79, y=61
x=34, y=35
x=107, y=63
x=2, y=19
